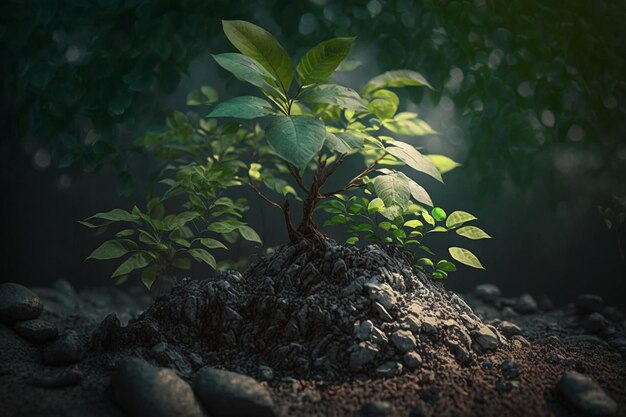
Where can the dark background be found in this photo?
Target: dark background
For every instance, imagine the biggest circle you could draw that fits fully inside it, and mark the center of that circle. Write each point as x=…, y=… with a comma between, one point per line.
x=537, y=77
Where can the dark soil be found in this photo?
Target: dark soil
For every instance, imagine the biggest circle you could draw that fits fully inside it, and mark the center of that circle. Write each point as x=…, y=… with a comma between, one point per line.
x=328, y=331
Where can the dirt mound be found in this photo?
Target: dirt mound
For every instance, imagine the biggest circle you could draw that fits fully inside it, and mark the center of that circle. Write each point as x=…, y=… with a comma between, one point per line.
x=330, y=313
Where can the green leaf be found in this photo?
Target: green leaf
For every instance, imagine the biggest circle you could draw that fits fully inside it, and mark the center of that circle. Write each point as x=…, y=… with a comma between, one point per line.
x=116, y=215
x=413, y=223
x=428, y=218
x=244, y=107
x=247, y=69
x=225, y=226
x=438, y=214
x=135, y=261
x=125, y=233
x=343, y=142
x=334, y=94
x=260, y=45
x=205, y=95
x=249, y=234
x=439, y=274
x=296, y=139
x=425, y=262
x=472, y=232
x=457, y=218
x=427, y=249
x=182, y=263
x=211, y=243
x=112, y=249
x=408, y=124
x=393, y=189
x=397, y=78
x=465, y=257
x=418, y=192
x=443, y=163
x=182, y=219
x=384, y=104
x=148, y=276
x=413, y=158
x=201, y=255
x=375, y=206
x=322, y=60
x=352, y=240
x=446, y=266
x=348, y=65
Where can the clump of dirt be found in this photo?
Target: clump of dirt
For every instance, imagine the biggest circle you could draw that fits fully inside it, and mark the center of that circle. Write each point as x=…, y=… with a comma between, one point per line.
x=332, y=313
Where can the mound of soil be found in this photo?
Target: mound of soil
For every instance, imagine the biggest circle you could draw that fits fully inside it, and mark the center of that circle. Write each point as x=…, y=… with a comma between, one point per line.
x=325, y=314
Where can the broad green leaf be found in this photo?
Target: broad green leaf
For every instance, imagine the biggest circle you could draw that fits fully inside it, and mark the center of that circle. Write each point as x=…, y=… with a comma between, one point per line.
x=418, y=192
x=465, y=257
x=438, y=229
x=225, y=226
x=425, y=262
x=182, y=263
x=393, y=189
x=260, y=45
x=391, y=212
x=244, y=107
x=413, y=158
x=472, y=232
x=249, y=234
x=343, y=142
x=115, y=215
x=155, y=208
x=439, y=274
x=182, y=219
x=375, y=206
x=426, y=249
x=352, y=240
x=322, y=60
x=182, y=242
x=112, y=249
x=296, y=139
x=443, y=163
x=446, y=266
x=408, y=124
x=384, y=104
x=397, y=78
x=148, y=276
x=202, y=255
x=125, y=233
x=247, y=69
x=428, y=218
x=413, y=223
x=211, y=243
x=438, y=214
x=457, y=218
x=334, y=94
x=348, y=65
x=135, y=261
x=205, y=95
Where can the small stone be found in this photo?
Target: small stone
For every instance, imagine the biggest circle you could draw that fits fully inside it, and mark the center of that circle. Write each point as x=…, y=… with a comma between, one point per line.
x=594, y=323
x=141, y=389
x=364, y=330
x=403, y=340
x=382, y=293
x=509, y=329
x=504, y=386
x=430, y=395
x=381, y=311
x=228, y=394
x=589, y=303
x=310, y=276
x=510, y=369
x=362, y=354
x=526, y=304
x=429, y=325
x=586, y=394
x=612, y=313
x=169, y=356
x=389, y=369
x=376, y=409
x=485, y=338
x=412, y=360
x=37, y=331
x=520, y=341
x=508, y=313
x=67, y=349
x=266, y=373
x=339, y=268
x=488, y=293
x=63, y=379
x=18, y=303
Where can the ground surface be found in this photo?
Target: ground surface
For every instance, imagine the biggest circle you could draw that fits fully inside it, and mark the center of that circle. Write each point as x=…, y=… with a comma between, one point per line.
x=310, y=327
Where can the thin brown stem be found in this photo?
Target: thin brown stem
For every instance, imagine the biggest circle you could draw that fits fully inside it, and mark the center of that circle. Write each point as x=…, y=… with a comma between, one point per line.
x=296, y=175
x=266, y=198
x=353, y=182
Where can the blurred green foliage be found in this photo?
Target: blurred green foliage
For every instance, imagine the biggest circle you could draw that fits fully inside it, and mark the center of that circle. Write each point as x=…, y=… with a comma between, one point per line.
x=79, y=76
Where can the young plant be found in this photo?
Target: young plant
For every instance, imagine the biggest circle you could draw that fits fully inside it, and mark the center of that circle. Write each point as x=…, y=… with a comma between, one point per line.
x=314, y=125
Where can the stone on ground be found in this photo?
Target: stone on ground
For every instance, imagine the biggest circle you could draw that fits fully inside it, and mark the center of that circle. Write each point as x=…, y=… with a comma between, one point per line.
x=18, y=303
x=37, y=331
x=586, y=394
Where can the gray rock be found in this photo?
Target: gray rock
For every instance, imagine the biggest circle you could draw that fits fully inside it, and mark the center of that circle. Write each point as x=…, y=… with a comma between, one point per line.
x=36, y=331
x=18, y=303
x=142, y=390
x=586, y=394
x=376, y=409
x=526, y=304
x=403, y=340
x=429, y=325
x=382, y=293
x=362, y=354
x=510, y=369
x=228, y=394
x=169, y=356
x=367, y=331
x=509, y=329
x=594, y=323
x=310, y=276
x=381, y=311
x=266, y=373
x=339, y=268
x=412, y=360
x=508, y=313
x=485, y=338
x=65, y=350
x=389, y=369
x=488, y=293
x=589, y=303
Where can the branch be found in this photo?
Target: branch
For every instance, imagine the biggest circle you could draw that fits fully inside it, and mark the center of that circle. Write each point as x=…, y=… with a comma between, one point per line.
x=352, y=183
x=294, y=173
x=266, y=198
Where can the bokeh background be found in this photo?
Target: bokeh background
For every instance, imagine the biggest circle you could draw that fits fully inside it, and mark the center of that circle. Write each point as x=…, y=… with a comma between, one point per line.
x=528, y=96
